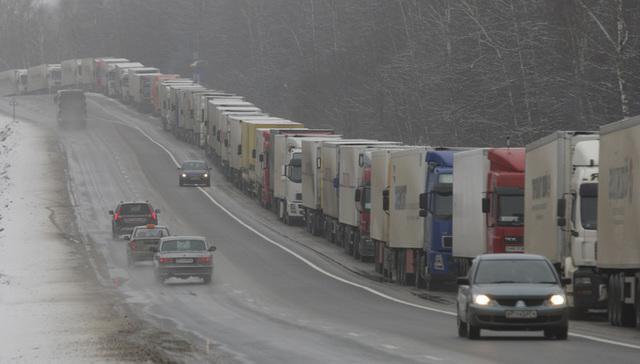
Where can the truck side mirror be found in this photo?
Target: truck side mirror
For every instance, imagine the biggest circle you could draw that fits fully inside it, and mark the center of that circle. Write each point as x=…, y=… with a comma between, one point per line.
x=261, y=158
x=318, y=163
x=423, y=201
x=562, y=222
x=110, y=212
x=239, y=149
x=253, y=154
x=336, y=183
x=485, y=205
x=358, y=197
x=385, y=200
x=422, y=213
x=462, y=281
x=361, y=160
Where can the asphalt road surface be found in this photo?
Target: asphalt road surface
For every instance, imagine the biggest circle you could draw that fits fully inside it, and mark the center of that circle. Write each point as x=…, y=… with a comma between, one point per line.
x=272, y=299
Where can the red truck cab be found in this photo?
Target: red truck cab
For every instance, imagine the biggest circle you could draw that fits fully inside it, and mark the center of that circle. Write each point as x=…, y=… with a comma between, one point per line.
x=504, y=202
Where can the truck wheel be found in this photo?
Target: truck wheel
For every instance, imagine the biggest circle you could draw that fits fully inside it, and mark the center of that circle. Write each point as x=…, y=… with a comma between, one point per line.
x=610, y=301
x=627, y=311
x=636, y=303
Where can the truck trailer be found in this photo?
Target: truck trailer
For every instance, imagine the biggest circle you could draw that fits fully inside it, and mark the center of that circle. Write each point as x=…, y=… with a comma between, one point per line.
x=618, y=249
x=560, y=207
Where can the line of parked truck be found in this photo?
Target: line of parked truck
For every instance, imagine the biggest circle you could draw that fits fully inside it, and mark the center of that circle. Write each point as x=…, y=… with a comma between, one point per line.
x=421, y=214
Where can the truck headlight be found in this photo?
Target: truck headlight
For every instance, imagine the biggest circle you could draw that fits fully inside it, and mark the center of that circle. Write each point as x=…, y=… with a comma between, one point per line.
x=184, y=175
x=481, y=299
x=557, y=299
x=205, y=175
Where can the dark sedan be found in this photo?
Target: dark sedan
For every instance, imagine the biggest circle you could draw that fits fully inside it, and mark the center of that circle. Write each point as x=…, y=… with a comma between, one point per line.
x=183, y=257
x=194, y=173
x=512, y=292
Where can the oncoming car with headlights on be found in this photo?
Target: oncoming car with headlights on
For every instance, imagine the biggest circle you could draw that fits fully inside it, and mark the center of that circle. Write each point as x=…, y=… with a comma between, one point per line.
x=194, y=173
x=512, y=292
x=183, y=257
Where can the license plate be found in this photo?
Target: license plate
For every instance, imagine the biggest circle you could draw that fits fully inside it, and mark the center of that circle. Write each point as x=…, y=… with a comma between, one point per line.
x=514, y=249
x=184, y=261
x=521, y=314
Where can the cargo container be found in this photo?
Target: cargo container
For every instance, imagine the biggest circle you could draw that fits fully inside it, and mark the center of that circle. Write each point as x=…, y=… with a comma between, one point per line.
x=164, y=98
x=217, y=123
x=488, y=217
x=130, y=82
x=285, y=170
x=86, y=74
x=37, y=79
x=140, y=90
x=54, y=77
x=115, y=71
x=156, y=91
x=401, y=200
x=618, y=249
x=352, y=163
x=329, y=197
x=70, y=72
x=101, y=69
x=175, y=116
x=242, y=131
x=199, y=110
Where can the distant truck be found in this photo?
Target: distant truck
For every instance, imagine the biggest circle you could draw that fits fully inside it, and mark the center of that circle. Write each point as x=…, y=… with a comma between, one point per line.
x=618, y=249
x=561, y=211
x=488, y=203
x=72, y=108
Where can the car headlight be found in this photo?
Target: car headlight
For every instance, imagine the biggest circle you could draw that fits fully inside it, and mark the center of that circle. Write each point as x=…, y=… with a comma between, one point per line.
x=205, y=175
x=481, y=299
x=184, y=175
x=557, y=299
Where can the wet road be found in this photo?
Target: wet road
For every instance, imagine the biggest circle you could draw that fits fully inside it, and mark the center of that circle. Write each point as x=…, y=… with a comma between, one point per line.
x=265, y=304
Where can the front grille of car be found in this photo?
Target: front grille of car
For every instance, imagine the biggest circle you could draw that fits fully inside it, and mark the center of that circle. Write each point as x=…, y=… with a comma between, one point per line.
x=298, y=197
x=529, y=302
x=504, y=320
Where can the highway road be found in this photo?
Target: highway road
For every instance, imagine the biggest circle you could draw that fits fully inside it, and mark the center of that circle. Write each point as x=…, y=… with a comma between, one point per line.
x=272, y=299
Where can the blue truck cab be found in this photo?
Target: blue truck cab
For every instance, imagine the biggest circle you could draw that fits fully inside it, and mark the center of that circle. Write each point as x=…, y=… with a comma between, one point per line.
x=436, y=206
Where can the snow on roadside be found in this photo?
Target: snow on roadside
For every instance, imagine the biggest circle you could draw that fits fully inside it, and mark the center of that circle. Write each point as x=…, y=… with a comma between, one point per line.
x=51, y=309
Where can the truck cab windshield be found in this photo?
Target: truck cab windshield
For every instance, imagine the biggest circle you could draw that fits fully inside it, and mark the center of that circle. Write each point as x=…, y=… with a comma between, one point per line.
x=510, y=209
x=295, y=168
x=443, y=201
x=589, y=206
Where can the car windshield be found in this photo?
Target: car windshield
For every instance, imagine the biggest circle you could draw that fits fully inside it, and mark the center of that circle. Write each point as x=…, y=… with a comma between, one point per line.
x=151, y=233
x=135, y=209
x=183, y=245
x=510, y=210
x=200, y=166
x=514, y=271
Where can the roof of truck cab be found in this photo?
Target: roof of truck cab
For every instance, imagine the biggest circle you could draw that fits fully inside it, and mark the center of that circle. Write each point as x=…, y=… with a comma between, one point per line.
x=440, y=157
x=507, y=159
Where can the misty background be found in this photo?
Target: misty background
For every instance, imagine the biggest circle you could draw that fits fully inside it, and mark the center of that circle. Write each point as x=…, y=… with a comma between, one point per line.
x=440, y=72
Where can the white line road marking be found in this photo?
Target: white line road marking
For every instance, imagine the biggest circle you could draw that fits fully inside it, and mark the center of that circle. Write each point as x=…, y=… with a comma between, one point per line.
x=343, y=280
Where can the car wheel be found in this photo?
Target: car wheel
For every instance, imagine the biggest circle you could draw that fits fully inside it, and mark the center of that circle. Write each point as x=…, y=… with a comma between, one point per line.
x=473, y=332
x=207, y=279
x=561, y=333
x=462, y=328
x=181, y=184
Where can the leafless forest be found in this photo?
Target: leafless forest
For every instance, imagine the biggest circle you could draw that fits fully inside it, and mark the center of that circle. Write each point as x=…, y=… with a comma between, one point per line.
x=439, y=72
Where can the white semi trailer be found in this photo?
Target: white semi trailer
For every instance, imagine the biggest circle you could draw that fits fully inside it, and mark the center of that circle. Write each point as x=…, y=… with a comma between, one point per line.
x=618, y=249
x=561, y=177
